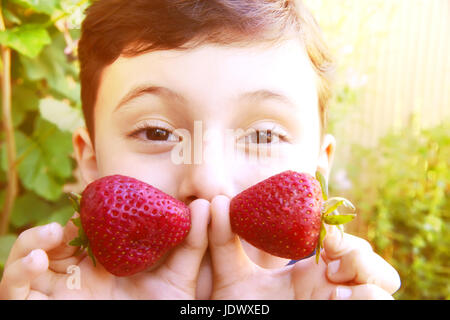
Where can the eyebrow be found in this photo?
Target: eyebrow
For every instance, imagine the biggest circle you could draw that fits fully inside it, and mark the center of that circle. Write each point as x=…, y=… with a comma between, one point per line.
x=145, y=89
x=168, y=94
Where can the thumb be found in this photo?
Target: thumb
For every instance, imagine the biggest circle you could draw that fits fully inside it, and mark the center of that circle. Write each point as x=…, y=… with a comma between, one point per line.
x=64, y=250
x=186, y=258
x=337, y=243
x=229, y=259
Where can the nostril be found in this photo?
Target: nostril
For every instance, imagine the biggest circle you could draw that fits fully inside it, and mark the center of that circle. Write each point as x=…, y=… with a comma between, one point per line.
x=190, y=199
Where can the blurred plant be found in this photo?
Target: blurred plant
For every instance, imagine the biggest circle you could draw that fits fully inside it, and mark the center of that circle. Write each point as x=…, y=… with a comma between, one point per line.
x=41, y=107
x=349, y=26
x=402, y=191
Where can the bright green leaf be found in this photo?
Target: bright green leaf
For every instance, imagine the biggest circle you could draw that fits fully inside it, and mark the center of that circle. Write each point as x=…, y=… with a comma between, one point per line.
x=65, y=117
x=39, y=180
x=43, y=160
x=323, y=184
x=27, y=39
x=56, y=147
x=333, y=203
x=40, y=6
x=11, y=17
x=52, y=66
x=339, y=219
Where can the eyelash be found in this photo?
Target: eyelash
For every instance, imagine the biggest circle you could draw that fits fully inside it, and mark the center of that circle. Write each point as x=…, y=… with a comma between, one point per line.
x=143, y=127
x=282, y=137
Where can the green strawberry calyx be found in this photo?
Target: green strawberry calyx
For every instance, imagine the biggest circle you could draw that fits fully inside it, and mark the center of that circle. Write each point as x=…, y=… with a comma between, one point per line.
x=330, y=214
x=81, y=241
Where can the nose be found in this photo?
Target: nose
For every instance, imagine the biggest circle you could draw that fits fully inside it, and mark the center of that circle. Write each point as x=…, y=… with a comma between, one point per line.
x=208, y=178
x=203, y=182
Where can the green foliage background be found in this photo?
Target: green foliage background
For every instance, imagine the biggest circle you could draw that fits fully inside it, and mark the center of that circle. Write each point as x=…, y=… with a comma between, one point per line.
x=401, y=187
x=45, y=109
x=402, y=191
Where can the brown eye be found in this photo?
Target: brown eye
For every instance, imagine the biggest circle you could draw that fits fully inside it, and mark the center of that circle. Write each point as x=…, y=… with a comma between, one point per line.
x=157, y=134
x=149, y=134
x=261, y=137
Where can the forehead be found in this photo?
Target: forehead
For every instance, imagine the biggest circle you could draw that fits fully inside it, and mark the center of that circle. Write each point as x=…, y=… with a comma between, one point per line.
x=213, y=74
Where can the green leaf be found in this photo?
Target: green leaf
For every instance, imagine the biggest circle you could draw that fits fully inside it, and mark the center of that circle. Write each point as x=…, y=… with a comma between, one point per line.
x=28, y=39
x=77, y=222
x=322, y=235
x=40, y=6
x=28, y=209
x=61, y=114
x=56, y=147
x=44, y=160
x=34, y=171
x=323, y=185
x=91, y=254
x=82, y=240
x=77, y=242
x=11, y=17
x=61, y=215
x=24, y=99
x=329, y=209
x=52, y=66
x=75, y=199
x=339, y=219
x=6, y=243
x=333, y=203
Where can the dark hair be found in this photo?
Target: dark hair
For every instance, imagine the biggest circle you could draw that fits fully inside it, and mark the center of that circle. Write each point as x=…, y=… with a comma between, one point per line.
x=120, y=27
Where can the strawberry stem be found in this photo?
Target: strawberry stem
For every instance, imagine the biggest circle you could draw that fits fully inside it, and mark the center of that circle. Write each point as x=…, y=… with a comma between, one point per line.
x=75, y=198
x=330, y=214
x=323, y=185
x=323, y=231
x=82, y=240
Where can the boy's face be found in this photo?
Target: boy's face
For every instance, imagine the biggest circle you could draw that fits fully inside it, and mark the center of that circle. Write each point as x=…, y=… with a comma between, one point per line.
x=217, y=95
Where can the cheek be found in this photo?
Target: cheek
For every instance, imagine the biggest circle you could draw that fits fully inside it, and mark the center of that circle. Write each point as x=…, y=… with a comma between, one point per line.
x=156, y=170
x=301, y=157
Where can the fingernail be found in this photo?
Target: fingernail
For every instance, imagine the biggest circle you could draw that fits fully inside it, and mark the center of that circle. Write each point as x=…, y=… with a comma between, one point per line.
x=333, y=266
x=48, y=230
x=343, y=293
x=30, y=257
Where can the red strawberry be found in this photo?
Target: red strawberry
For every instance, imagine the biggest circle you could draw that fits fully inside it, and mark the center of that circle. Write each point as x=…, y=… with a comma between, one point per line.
x=128, y=225
x=284, y=214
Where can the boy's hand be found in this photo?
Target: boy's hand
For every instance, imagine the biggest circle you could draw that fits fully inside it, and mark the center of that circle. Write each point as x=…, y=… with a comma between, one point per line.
x=39, y=260
x=361, y=274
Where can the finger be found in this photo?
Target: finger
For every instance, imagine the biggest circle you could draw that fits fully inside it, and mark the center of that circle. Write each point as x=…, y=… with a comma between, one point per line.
x=227, y=255
x=60, y=266
x=65, y=250
x=337, y=244
x=360, y=292
x=44, y=237
x=18, y=276
x=36, y=295
x=359, y=266
x=185, y=260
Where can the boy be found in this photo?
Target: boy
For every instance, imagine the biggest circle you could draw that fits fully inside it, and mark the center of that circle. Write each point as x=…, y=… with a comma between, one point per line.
x=154, y=73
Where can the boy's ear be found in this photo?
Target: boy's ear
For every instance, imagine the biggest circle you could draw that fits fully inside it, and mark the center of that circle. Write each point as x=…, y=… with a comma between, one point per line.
x=326, y=155
x=85, y=155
